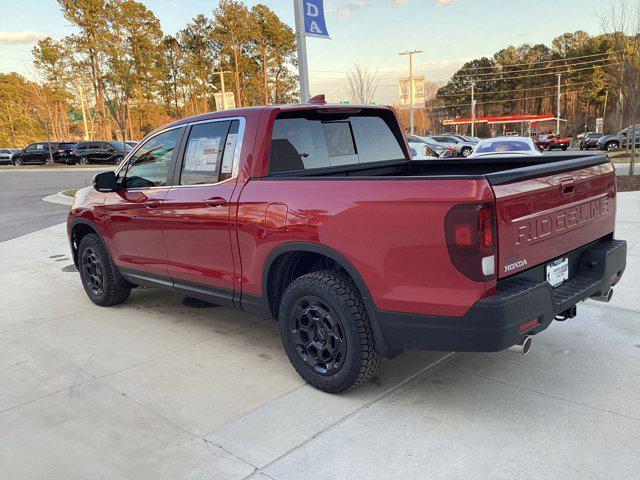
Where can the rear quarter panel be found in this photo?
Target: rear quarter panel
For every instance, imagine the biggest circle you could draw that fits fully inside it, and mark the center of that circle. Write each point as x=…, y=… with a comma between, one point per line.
x=391, y=230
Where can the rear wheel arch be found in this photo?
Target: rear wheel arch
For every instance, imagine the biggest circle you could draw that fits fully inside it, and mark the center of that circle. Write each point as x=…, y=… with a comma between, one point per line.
x=290, y=261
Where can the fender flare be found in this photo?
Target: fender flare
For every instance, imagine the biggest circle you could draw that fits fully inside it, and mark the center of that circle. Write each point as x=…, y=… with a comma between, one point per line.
x=82, y=221
x=348, y=267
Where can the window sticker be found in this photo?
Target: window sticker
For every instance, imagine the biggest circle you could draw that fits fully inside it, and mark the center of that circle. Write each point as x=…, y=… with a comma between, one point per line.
x=202, y=155
x=229, y=152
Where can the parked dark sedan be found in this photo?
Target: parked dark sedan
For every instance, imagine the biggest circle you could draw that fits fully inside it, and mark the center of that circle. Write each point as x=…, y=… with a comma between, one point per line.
x=101, y=152
x=590, y=140
x=46, y=153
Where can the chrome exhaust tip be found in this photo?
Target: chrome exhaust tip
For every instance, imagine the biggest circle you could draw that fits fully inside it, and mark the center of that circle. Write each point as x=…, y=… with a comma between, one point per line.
x=606, y=297
x=522, y=347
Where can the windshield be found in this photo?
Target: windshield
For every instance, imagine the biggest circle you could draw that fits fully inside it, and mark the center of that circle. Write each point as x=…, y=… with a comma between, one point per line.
x=121, y=146
x=493, y=146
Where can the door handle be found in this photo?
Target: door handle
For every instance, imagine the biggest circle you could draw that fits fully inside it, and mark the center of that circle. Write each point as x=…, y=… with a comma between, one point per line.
x=152, y=203
x=215, y=202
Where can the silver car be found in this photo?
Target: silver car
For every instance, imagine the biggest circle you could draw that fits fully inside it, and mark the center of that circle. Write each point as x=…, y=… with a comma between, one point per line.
x=463, y=148
x=6, y=155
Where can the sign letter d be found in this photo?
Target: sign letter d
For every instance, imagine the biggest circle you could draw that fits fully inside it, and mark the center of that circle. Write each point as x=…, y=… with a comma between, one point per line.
x=312, y=10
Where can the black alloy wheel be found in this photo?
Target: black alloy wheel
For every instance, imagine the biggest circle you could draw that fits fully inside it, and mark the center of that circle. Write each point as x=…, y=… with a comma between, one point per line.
x=93, y=271
x=318, y=335
x=326, y=331
x=100, y=277
x=84, y=160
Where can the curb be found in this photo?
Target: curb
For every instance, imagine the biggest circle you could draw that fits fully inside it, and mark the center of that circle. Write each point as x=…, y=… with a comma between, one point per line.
x=59, y=198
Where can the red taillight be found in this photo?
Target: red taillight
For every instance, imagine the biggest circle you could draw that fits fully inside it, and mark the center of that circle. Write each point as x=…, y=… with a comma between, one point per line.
x=486, y=226
x=60, y=151
x=470, y=233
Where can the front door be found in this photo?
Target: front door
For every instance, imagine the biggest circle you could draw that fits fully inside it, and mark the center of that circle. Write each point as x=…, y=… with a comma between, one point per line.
x=136, y=215
x=197, y=234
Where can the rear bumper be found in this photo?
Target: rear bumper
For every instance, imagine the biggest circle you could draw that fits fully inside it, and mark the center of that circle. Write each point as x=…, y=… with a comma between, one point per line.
x=496, y=323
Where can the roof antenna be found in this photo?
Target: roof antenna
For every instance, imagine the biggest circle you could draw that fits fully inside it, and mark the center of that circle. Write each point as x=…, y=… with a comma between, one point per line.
x=318, y=100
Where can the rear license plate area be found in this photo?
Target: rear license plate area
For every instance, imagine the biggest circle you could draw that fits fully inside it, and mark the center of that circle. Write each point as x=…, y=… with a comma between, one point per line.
x=557, y=272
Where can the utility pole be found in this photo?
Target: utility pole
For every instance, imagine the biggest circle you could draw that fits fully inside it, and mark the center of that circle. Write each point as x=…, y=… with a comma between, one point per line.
x=604, y=109
x=558, y=116
x=224, y=100
x=410, y=53
x=473, y=109
x=301, y=42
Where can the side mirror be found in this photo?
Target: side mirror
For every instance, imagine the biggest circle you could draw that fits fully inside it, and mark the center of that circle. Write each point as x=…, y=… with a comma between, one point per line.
x=105, y=182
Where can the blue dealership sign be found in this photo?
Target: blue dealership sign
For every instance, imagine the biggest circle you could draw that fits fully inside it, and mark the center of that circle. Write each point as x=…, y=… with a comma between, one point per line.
x=314, y=22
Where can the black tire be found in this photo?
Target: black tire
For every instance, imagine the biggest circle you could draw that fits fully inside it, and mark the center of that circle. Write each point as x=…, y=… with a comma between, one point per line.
x=466, y=151
x=83, y=160
x=564, y=149
x=17, y=162
x=611, y=146
x=117, y=160
x=342, y=354
x=100, y=277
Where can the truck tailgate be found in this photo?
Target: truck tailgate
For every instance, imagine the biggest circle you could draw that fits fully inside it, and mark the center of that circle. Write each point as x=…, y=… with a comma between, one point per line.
x=540, y=219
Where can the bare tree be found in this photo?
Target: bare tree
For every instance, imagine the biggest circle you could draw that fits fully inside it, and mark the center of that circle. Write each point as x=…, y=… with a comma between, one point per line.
x=361, y=85
x=622, y=23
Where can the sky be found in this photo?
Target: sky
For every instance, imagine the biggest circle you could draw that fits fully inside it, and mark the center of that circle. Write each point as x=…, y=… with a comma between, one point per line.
x=368, y=32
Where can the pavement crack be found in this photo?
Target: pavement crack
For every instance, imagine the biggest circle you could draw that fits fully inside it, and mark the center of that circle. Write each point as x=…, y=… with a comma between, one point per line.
x=549, y=395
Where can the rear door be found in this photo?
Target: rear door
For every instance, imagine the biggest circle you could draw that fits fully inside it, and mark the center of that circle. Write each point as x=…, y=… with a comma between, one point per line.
x=197, y=231
x=541, y=219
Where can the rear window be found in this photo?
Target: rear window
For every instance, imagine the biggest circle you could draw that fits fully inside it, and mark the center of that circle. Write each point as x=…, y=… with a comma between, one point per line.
x=323, y=141
x=489, y=146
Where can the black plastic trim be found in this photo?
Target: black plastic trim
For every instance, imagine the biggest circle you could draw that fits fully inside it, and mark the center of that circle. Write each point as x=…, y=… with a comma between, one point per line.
x=347, y=266
x=561, y=165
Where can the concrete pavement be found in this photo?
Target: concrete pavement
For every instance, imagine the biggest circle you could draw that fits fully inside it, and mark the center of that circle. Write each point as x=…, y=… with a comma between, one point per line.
x=155, y=389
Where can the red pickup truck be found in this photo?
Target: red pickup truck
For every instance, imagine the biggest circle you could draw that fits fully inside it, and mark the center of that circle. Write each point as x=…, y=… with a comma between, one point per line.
x=314, y=215
x=549, y=142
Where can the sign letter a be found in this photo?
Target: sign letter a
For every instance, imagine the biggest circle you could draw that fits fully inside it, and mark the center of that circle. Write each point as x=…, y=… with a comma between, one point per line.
x=314, y=28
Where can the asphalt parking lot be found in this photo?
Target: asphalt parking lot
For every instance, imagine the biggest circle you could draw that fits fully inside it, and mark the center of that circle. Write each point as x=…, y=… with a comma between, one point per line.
x=21, y=191
x=156, y=389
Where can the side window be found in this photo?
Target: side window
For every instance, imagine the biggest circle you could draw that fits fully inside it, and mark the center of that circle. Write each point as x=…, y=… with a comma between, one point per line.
x=229, y=168
x=149, y=167
x=203, y=153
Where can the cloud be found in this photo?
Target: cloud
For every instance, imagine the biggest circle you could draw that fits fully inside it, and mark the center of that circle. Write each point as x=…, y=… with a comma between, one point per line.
x=400, y=2
x=348, y=8
x=445, y=2
x=16, y=38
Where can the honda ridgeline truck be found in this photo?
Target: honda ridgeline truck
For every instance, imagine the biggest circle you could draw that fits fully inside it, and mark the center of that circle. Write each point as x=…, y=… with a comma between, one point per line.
x=315, y=216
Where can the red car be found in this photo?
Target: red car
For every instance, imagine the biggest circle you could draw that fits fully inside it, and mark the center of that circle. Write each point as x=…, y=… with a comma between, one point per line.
x=549, y=142
x=314, y=215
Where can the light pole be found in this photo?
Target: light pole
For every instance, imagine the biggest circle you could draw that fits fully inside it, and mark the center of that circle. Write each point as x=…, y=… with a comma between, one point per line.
x=410, y=53
x=558, y=109
x=301, y=42
x=473, y=109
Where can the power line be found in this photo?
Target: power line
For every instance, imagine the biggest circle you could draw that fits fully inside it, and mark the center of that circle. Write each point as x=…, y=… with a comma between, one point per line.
x=437, y=107
x=536, y=69
x=492, y=92
x=541, y=61
x=564, y=72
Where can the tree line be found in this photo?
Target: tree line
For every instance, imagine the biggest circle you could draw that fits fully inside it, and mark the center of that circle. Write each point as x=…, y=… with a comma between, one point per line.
x=595, y=82
x=119, y=76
